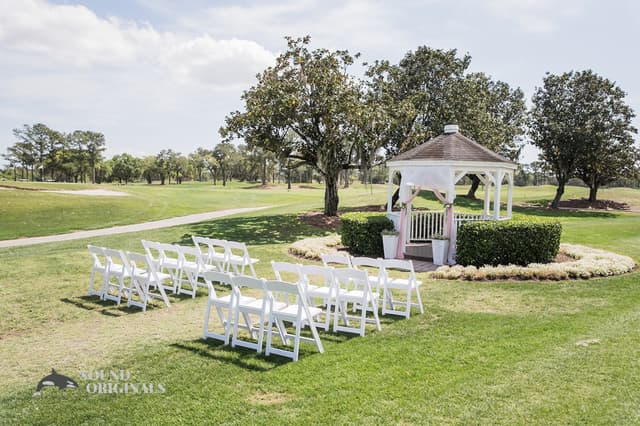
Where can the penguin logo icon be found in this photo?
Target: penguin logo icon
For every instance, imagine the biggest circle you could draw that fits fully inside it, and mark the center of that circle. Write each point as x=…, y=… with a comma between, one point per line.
x=57, y=380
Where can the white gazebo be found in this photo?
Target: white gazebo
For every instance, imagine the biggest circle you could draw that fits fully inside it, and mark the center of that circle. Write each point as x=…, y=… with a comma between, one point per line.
x=437, y=165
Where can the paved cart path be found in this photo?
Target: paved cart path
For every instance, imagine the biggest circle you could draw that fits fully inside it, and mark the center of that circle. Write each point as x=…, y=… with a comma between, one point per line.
x=164, y=223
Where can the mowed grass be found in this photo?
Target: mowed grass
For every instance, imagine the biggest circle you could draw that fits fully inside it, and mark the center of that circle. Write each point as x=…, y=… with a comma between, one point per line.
x=483, y=353
x=29, y=213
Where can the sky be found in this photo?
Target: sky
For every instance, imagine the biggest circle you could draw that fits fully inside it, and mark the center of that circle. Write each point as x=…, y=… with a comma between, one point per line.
x=160, y=74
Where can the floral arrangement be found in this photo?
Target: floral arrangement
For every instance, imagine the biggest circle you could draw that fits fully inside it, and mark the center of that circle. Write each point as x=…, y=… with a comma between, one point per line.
x=588, y=263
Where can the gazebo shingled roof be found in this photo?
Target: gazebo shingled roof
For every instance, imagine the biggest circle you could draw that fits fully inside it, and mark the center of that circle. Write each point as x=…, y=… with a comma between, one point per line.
x=451, y=147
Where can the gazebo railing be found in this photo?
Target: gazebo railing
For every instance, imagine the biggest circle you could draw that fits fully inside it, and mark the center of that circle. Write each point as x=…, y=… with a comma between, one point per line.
x=424, y=223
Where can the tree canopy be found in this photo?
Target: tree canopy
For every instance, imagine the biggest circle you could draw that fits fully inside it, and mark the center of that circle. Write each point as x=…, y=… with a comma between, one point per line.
x=582, y=126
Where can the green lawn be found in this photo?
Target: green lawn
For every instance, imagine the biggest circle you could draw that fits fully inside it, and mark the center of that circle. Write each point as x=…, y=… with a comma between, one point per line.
x=483, y=353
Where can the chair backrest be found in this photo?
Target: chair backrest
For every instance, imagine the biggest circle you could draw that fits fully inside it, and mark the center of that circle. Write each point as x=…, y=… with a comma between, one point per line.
x=286, y=271
x=193, y=255
x=153, y=249
x=239, y=281
x=351, y=279
x=399, y=265
x=336, y=259
x=237, y=248
x=116, y=261
x=97, y=253
x=218, y=277
x=317, y=275
x=287, y=292
x=140, y=264
x=369, y=262
x=214, y=246
x=169, y=251
x=211, y=277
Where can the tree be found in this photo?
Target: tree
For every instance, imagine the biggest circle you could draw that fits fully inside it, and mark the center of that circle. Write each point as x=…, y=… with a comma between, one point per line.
x=582, y=126
x=125, y=167
x=428, y=89
x=37, y=140
x=310, y=94
x=608, y=151
x=223, y=154
x=95, y=145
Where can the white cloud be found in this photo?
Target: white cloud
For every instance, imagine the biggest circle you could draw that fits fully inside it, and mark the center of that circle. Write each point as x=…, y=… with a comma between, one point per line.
x=74, y=36
x=537, y=16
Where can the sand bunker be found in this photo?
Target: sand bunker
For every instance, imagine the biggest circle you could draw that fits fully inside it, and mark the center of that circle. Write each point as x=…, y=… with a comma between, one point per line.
x=90, y=192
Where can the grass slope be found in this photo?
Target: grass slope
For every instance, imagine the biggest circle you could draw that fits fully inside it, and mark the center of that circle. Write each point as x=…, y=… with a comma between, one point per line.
x=483, y=353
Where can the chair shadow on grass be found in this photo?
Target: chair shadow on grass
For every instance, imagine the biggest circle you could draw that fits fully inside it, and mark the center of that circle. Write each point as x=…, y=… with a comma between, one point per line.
x=242, y=357
x=254, y=230
x=105, y=307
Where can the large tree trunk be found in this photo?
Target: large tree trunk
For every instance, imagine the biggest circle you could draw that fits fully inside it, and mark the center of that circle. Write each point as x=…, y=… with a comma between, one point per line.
x=559, y=191
x=593, y=193
x=331, y=195
x=475, y=183
x=289, y=179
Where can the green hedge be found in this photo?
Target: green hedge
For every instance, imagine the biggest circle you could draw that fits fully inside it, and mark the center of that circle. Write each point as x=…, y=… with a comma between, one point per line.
x=510, y=242
x=361, y=232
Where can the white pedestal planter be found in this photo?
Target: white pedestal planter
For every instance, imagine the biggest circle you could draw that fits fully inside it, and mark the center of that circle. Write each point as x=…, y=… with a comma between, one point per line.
x=440, y=250
x=390, y=245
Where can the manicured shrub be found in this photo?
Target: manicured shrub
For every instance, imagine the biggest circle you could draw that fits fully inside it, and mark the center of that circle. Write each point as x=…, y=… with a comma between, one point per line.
x=361, y=232
x=511, y=242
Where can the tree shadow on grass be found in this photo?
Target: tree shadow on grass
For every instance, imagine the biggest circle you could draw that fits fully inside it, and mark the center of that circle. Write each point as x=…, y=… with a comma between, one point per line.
x=259, y=230
x=537, y=209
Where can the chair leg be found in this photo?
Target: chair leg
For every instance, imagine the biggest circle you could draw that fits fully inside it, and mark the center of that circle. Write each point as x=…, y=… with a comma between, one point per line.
x=419, y=300
x=363, y=318
x=267, y=350
x=407, y=313
x=296, y=342
x=206, y=319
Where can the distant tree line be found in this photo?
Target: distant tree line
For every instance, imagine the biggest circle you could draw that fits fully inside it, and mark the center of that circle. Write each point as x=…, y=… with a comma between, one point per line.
x=44, y=154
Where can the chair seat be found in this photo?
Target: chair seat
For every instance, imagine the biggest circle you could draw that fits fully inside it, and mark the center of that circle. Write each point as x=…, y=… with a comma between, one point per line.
x=321, y=292
x=401, y=283
x=291, y=312
x=255, y=305
x=355, y=295
x=170, y=263
x=226, y=300
x=240, y=260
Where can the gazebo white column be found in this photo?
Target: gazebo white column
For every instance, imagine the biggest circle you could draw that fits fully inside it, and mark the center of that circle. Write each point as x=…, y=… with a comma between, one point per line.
x=499, y=176
x=509, y=194
x=487, y=193
x=390, y=190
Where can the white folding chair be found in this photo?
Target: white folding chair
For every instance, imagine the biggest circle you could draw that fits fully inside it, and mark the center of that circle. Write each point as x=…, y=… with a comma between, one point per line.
x=407, y=284
x=336, y=260
x=146, y=281
x=353, y=286
x=118, y=268
x=99, y=267
x=166, y=257
x=216, y=251
x=298, y=314
x=238, y=258
x=287, y=271
x=193, y=264
x=220, y=304
x=376, y=274
x=258, y=307
x=319, y=284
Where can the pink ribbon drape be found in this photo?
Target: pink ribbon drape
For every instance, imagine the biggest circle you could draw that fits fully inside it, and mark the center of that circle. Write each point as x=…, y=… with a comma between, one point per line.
x=449, y=226
x=403, y=221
